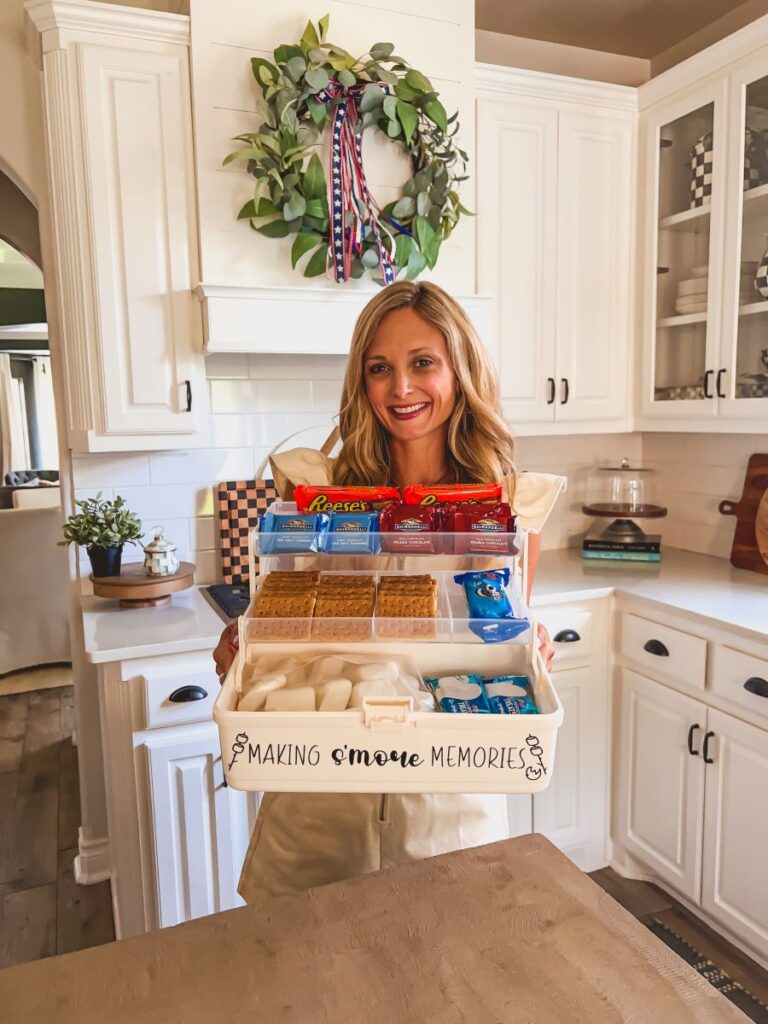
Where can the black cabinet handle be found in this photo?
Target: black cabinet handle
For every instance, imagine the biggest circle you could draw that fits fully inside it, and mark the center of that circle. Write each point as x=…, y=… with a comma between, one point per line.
x=188, y=386
x=707, y=392
x=185, y=694
x=566, y=390
x=707, y=737
x=757, y=686
x=566, y=636
x=691, y=731
x=656, y=647
x=552, y=387
x=718, y=382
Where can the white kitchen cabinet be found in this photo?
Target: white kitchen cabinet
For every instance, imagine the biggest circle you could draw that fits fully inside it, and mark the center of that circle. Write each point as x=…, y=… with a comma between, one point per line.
x=661, y=795
x=734, y=889
x=555, y=219
x=123, y=226
x=200, y=827
x=703, y=352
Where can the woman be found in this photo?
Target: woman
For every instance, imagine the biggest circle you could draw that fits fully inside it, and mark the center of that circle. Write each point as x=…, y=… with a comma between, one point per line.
x=419, y=405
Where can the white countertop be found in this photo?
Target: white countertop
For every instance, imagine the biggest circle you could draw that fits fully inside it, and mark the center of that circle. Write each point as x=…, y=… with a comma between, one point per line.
x=695, y=584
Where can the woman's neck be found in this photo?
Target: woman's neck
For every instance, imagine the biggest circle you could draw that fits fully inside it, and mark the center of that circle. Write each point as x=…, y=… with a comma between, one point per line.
x=422, y=461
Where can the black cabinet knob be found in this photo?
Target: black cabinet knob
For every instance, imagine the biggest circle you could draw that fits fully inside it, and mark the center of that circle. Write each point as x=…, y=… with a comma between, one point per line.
x=551, y=383
x=691, y=731
x=185, y=694
x=757, y=686
x=656, y=647
x=707, y=737
x=707, y=392
x=566, y=390
x=566, y=636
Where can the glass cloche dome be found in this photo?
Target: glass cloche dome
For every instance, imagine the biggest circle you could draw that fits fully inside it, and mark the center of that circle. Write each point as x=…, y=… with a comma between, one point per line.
x=623, y=493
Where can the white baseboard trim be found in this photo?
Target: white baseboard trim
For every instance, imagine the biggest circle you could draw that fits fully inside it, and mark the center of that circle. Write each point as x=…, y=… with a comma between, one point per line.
x=92, y=863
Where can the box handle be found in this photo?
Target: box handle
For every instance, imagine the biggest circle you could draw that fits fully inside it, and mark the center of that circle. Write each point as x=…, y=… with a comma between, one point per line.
x=384, y=712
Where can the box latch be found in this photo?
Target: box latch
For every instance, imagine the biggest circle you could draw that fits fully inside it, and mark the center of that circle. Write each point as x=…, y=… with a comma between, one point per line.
x=386, y=712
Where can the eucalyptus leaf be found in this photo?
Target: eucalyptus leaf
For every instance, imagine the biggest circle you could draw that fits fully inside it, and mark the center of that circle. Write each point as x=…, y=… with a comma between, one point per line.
x=387, y=76
x=390, y=107
x=357, y=269
x=294, y=207
x=410, y=189
x=295, y=68
x=316, y=263
x=370, y=258
x=380, y=51
x=251, y=153
x=316, y=79
x=274, y=229
x=424, y=232
x=264, y=71
x=370, y=117
x=291, y=122
x=317, y=208
x=304, y=241
x=403, y=247
x=373, y=96
x=317, y=112
x=404, y=208
x=416, y=263
x=284, y=53
x=317, y=56
x=423, y=204
x=393, y=129
x=346, y=77
x=408, y=118
x=433, y=216
x=403, y=91
x=266, y=208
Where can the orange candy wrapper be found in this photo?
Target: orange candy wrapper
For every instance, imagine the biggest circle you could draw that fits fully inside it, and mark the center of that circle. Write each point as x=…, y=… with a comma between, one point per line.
x=343, y=499
x=438, y=494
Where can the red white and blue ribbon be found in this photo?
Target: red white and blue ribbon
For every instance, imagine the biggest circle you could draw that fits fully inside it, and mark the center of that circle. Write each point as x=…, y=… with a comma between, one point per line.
x=354, y=214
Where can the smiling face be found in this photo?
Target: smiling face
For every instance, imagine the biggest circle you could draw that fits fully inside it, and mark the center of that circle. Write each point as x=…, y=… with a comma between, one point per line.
x=409, y=379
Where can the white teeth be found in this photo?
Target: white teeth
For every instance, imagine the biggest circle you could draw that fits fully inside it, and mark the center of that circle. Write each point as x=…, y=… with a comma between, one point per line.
x=403, y=410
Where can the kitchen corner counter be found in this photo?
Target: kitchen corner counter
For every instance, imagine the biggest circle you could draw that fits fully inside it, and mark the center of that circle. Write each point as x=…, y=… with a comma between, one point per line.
x=700, y=585
x=111, y=633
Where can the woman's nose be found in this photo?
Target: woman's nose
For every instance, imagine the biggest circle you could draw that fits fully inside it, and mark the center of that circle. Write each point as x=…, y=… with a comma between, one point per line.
x=401, y=385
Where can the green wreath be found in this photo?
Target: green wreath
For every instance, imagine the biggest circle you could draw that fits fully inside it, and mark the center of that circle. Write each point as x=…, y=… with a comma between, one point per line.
x=302, y=90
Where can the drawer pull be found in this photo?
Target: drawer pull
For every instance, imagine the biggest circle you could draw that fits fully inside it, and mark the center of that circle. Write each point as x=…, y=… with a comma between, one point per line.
x=707, y=737
x=567, y=636
x=757, y=686
x=691, y=731
x=656, y=647
x=186, y=694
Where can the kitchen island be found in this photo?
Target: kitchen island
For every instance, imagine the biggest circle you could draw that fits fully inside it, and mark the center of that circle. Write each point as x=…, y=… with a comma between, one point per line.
x=502, y=934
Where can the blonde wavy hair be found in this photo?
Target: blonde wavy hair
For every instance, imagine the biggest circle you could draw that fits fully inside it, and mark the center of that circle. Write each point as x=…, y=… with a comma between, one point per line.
x=480, y=446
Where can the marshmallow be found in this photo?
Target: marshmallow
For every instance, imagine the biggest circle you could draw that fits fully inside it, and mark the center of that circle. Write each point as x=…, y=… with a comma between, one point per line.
x=324, y=669
x=371, y=688
x=387, y=670
x=334, y=695
x=301, y=698
x=256, y=696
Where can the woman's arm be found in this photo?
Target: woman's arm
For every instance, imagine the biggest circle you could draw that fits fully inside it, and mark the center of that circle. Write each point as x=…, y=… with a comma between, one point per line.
x=534, y=550
x=225, y=651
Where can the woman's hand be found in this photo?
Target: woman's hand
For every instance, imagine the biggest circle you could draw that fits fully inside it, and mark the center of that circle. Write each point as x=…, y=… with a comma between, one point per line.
x=225, y=651
x=545, y=645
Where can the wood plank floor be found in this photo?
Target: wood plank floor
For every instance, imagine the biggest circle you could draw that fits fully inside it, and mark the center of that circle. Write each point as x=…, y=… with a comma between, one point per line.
x=42, y=909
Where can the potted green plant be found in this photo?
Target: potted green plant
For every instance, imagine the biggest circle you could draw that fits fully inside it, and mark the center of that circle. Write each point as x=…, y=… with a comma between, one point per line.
x=102, y=528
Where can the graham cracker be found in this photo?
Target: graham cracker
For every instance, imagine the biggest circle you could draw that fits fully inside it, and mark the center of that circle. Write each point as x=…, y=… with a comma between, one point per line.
x=421, y=606
x=336, y=606
x=283, y=606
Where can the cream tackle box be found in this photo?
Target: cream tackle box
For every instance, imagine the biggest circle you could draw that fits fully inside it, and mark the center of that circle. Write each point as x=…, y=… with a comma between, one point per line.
x=390, y=744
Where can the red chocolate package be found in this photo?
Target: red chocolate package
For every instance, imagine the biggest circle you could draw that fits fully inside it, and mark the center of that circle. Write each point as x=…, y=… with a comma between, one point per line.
x=411, y=529
x=437, y=494
x=481, y=529
x=343, y=499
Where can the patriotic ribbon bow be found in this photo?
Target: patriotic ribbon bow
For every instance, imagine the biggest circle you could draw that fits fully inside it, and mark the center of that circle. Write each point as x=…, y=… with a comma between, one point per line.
x=353, y=211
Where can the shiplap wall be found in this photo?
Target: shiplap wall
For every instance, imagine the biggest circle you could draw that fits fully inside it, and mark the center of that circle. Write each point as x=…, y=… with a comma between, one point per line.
x=436, y=36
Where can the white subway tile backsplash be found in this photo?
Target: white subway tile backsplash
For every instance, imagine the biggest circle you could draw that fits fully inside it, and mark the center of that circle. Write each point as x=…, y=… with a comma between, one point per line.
x=115, y=470
x=241, y=431
x=265, y=396
x=229, y=366
x=201, y=466
x=326, y=396
x=170, y=501
x=294, y=367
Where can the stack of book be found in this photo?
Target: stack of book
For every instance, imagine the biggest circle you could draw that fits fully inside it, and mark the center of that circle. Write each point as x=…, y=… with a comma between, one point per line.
x=644, y=549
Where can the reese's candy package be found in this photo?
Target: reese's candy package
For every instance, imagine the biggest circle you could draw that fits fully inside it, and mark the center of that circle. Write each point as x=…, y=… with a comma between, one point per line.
x=410, y=528
x=343, y=499
x=437, y=494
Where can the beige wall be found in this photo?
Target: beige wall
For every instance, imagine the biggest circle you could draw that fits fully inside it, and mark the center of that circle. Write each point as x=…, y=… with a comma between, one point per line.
x=18, y=221
x=557, y=59
x=741, y=15
x=21, y=119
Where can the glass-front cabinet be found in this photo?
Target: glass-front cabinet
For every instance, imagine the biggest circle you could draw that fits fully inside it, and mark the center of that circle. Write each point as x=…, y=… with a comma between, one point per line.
x=705, y=210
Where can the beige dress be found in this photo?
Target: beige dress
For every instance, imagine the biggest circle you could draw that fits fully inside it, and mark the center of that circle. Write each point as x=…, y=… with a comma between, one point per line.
x=305, y=839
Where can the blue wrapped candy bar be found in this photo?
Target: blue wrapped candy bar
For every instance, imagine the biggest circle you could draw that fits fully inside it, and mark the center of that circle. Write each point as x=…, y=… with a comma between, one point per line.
x=491, y=615
x=353, y=533
x=284, y=532
x=459, y=694
x=509, y=695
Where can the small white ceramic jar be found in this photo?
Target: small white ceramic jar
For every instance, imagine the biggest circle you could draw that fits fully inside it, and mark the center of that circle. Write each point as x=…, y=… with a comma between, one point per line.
x=160, y=555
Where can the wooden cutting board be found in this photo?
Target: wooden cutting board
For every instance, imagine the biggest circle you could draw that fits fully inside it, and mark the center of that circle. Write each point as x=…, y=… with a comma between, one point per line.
x=750, y=540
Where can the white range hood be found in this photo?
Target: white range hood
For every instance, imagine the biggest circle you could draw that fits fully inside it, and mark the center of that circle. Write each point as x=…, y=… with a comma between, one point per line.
x=298, y=320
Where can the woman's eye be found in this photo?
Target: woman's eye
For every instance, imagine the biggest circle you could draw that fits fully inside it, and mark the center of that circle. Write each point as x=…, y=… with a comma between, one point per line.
x=424, y=361
x=377, y=368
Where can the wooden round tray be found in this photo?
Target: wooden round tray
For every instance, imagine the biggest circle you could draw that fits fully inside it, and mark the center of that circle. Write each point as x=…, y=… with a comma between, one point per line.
x=614, y=510
x=134, y=589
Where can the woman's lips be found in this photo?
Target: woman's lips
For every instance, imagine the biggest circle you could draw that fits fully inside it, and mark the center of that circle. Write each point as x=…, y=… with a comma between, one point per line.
x=409, y=412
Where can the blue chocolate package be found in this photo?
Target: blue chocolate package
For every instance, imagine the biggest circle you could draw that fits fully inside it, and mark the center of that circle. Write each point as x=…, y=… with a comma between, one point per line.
x=460, y=693
x=282, y=532
x=509, y=695
x=355, y=533
x=491, y=615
